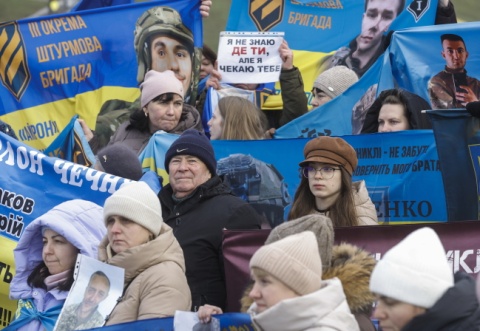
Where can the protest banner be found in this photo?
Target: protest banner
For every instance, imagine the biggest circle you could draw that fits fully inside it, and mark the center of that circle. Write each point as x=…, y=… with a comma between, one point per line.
x=227, y=321
x=392, y=165
x=413, y=69
x=460, y=240
x=249, y=57
x=54, y=67
x=33, y=183
x=320, y=34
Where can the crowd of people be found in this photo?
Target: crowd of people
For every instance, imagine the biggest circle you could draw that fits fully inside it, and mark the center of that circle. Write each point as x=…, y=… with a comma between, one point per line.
x=169, y=241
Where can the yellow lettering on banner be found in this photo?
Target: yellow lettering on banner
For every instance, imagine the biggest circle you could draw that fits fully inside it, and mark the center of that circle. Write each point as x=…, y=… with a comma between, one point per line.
x=315, y=21
x=68, y=48
x=34, y=29
x=67, y=75
x=62, y=24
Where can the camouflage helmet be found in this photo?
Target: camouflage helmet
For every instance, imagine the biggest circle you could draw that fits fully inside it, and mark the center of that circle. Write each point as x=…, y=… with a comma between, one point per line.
x=258, y=183
x=154, y=21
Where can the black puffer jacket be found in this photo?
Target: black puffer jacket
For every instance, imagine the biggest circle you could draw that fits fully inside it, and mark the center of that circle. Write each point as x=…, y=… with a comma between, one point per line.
x=415, y=105
x=197, y=224
x=456, y=310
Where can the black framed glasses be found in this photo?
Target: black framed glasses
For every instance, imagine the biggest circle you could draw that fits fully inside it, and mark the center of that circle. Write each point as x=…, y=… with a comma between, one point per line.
x=326, y=172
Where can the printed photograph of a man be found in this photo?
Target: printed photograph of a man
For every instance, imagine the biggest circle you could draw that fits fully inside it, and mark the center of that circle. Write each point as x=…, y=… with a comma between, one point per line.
x=452, y=87
x=85, y=315
x=365, y=49
x=162, y=42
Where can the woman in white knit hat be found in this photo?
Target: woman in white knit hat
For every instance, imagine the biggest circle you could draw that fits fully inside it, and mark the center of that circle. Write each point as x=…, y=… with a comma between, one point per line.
x=417, y=290
x=288, y=290
x=138, y=241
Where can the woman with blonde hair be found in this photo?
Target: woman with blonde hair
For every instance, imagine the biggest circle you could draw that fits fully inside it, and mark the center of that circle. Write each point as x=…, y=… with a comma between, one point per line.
x=237, y=118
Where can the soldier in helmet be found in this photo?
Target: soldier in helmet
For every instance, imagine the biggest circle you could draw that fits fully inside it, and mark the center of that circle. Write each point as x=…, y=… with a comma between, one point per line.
x=162, y=42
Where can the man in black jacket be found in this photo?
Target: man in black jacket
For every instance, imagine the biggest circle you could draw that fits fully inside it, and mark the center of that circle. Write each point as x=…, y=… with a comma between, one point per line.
x=198, y=206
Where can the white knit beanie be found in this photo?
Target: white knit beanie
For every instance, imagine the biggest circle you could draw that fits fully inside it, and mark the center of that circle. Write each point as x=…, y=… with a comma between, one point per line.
x=414, y=271
x=336, y=80
x=157, y=83
x=294, y=260
x=137, y=202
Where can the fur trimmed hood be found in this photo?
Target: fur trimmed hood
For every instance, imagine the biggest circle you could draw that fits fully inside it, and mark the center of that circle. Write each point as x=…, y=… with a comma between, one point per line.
x=353, y=266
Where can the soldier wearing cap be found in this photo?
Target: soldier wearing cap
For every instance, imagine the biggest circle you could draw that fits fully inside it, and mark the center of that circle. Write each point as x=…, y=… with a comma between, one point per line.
x=326, y=186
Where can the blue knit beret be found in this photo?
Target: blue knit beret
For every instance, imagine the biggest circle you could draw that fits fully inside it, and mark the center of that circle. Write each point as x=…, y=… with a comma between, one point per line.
x=194, y=143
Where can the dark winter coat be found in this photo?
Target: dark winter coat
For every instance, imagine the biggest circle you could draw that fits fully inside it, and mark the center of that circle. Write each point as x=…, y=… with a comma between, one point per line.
x=456, y=310
x=197, y=224
x=294, y=99
x=136, y=139
x=415, y=105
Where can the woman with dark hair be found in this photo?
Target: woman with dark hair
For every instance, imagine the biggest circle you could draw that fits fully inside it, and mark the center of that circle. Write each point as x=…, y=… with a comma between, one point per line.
x=45, y=258
x=162, y=108
x=326, y=185
x=397, y=110
x=209, y=57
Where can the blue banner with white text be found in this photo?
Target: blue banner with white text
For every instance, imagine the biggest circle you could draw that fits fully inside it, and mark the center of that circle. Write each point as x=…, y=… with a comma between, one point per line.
x=31, y=184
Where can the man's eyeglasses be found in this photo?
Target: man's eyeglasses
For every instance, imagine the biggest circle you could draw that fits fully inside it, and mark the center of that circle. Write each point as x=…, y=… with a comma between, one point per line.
x=326, y=172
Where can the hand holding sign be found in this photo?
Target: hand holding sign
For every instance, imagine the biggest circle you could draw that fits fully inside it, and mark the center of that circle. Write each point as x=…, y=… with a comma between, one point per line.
x=249, y=57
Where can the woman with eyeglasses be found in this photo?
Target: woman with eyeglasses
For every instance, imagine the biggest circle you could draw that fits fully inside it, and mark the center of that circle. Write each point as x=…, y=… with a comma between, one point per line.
x=326, y=185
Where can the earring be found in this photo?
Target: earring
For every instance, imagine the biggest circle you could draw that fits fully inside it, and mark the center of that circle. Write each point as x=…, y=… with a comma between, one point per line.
x=146, y=114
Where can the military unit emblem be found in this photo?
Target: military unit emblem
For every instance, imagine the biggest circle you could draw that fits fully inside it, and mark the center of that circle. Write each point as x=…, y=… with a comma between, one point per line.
x=14, y=71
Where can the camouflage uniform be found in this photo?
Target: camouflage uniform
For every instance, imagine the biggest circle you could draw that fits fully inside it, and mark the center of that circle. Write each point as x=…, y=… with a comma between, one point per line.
x=69, y=320
x=343, y=57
